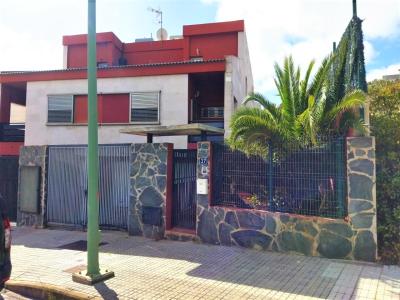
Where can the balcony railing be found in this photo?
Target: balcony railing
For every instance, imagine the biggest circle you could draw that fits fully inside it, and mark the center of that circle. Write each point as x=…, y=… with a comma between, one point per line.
x=212, y=112
x=201, y=113
x=12, y=132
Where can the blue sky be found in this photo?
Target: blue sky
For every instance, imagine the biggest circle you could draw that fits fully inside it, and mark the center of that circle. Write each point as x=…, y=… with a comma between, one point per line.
x=31, y=31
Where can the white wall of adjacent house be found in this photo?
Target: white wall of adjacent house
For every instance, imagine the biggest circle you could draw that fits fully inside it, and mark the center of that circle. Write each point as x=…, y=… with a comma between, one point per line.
x=173, y=109
x=238, y=80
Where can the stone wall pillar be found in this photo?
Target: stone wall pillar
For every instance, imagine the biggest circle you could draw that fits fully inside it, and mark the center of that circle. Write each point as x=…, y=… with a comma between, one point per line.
x=33, y=156
x=361, y=194
x=207, y=224
x=149, y=185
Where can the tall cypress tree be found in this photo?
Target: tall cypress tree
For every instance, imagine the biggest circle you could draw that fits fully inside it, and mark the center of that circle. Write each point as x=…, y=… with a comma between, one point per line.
x=348, y=67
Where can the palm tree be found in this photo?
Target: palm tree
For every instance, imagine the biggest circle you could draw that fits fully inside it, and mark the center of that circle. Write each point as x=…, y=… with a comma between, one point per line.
x=303, y=115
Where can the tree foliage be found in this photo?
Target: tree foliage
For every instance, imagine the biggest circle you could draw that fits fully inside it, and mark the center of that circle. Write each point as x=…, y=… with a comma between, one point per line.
x=385, y=121
x=303, y=116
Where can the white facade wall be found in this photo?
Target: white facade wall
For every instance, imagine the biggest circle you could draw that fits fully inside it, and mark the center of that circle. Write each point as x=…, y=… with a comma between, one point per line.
x=65, y=57
x=238, y=79
x=173, y=109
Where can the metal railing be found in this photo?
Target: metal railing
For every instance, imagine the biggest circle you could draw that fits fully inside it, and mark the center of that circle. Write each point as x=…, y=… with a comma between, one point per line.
x=291, y=179
x=10, y=132
x=203, y=113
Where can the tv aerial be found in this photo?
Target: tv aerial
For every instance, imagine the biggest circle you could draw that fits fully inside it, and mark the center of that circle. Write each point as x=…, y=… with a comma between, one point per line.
x=161, y=33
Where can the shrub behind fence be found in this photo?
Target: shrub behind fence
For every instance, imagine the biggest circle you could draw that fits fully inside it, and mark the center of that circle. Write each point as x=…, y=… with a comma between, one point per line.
x=292, y=179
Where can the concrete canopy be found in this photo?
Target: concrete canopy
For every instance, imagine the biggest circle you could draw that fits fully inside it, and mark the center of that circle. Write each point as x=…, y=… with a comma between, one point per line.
x=172, y=130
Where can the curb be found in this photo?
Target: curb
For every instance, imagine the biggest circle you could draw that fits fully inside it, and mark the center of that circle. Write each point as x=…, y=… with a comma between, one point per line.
x=39, y=290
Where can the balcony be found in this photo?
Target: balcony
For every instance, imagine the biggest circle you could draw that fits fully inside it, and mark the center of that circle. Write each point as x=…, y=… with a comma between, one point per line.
x=12, y=132
x=206, y=114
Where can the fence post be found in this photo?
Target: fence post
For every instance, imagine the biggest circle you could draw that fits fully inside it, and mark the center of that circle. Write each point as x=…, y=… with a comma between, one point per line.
x=340, y=174
x=270, y=173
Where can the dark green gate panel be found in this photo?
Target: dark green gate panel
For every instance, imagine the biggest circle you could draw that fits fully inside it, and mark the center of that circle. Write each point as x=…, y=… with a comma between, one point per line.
x=9, y=184
x=29, y=192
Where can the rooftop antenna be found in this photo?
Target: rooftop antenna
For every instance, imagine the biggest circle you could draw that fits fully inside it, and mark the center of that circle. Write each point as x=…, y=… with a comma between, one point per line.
x=159, y=13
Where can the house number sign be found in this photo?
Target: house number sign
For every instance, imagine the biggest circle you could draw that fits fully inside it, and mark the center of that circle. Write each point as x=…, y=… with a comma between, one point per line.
x=203, y=161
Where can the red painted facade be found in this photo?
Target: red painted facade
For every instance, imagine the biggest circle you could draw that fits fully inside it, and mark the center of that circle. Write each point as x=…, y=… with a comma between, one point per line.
x=127, y=71
x=209, y=41
x=153, y=52
x=10, y=148
x=212, y=42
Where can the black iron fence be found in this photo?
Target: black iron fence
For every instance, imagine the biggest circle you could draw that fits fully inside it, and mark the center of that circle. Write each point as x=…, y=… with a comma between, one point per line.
x=12, y=132
x=292, y=179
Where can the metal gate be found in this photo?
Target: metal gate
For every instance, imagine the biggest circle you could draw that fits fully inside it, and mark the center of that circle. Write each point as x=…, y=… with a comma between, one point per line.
x=184, y=200
x=9, y=184
x=67, y=185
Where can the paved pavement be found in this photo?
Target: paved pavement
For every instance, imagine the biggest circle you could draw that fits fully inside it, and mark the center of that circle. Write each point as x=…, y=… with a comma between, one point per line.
x=147, y=269
x=7, y=295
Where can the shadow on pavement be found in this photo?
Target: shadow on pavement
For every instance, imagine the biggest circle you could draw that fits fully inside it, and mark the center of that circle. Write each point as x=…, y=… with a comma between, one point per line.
x=290, y=273
x=105, y=291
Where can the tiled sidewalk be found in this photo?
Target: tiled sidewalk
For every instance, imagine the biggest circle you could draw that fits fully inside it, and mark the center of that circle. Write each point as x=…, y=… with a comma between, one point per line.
x=147, y=269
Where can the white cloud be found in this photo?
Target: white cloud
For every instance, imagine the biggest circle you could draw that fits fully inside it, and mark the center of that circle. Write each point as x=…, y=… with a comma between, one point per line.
x=304, y=28
x=15, y=46
x=369, y=52
x=378, y=73
x=31, y=32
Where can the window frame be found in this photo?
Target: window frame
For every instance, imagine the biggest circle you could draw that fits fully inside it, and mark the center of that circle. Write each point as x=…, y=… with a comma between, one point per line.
x=158, y=122
x=72, y=97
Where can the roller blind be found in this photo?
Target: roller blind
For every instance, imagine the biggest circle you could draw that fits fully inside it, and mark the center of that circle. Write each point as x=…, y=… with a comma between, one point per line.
x=145, y=107
x=60, y=108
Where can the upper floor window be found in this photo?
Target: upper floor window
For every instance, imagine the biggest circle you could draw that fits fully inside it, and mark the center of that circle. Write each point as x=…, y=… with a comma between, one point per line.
x=145, y=107
x=60, y=108
x=137, y=108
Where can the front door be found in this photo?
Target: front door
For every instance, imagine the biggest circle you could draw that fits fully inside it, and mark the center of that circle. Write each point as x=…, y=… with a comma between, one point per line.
x=184, y=190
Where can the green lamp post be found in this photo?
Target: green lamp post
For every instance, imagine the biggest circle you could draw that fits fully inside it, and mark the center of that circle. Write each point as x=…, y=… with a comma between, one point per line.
x=93, y=273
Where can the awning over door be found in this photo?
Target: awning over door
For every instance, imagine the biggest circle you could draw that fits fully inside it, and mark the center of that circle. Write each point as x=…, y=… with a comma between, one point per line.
x=172, y=130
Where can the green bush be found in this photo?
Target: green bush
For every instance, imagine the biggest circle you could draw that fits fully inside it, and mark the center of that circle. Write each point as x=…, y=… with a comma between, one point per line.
x=385, y=126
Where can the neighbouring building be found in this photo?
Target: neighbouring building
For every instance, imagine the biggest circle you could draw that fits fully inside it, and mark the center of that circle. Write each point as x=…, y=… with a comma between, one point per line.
x=391, y=77
x=199, y=77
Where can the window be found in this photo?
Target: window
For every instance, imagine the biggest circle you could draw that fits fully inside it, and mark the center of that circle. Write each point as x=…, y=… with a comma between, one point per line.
x=137, y=107
x=145, y=107
x=60, y=108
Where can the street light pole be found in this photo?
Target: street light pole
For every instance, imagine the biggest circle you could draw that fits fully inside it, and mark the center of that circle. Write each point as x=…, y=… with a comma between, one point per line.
x=93, y=235
x=93, y=274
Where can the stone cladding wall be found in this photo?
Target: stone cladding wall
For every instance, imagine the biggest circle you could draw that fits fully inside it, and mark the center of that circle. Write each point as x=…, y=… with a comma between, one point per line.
x=351, y=238
x=148, y=184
